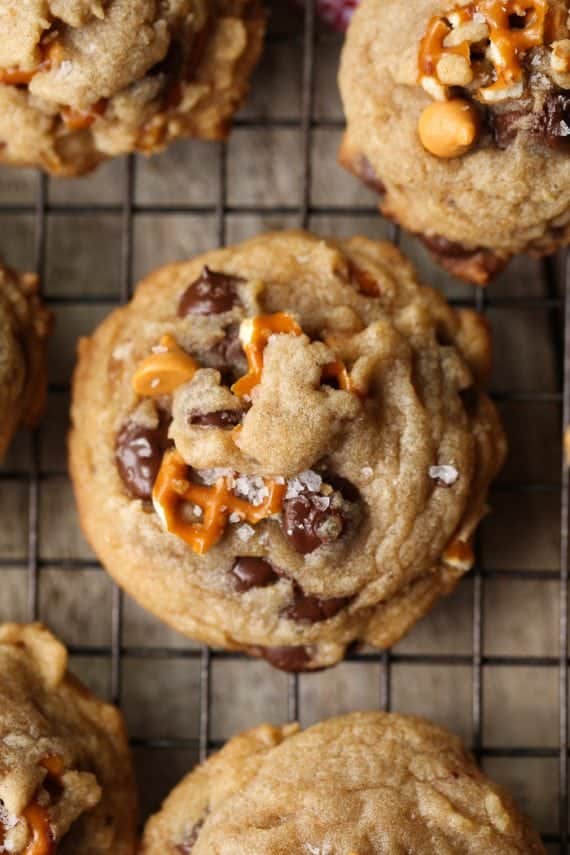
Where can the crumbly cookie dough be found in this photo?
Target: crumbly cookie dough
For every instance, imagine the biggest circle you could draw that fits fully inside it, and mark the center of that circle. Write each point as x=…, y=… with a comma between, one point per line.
x=66, y=782
x=459, y=114
x=85, y=80
x=363, y=784
x=320, y=493
x=24, y=327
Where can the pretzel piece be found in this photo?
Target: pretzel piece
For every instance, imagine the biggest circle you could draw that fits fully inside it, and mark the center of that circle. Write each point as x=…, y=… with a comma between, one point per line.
x=443, y=39
x=172, y=490
x=254, y=333
x=42, y=842
x=164, y=370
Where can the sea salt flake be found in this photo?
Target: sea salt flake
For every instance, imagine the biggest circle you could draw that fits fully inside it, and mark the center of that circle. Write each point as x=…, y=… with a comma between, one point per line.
x=235, y=517
x=245, y=532
x=367, y=472
x=448, y=475
x=252, y=488
x=210, y=476
x=305, y=481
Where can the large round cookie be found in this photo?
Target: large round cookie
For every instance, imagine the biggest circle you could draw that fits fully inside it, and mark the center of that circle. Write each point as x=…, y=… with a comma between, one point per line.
x=331, y=496
x=24, y=327
x=84, y=80
x=486, y=86
x=363, y=784
x=66, y=782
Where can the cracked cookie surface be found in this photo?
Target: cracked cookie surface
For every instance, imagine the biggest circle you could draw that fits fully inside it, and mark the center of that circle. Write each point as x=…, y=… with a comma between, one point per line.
x=284, y=447
x=24, y=327
x=66, y=783
x=85, y=80
x=362, y=784
x=475, y=99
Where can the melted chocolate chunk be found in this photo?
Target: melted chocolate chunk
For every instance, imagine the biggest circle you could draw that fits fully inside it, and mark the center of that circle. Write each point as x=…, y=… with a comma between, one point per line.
x=505, y=126
x=138, y=452
x=348, y=490
x=477, y=265
x=211, y=294
x=308, y=609
x=290, y=659
x=308, y=525
x=228, y=355
x=556, y=120
x=219, y=419
x=252, y=572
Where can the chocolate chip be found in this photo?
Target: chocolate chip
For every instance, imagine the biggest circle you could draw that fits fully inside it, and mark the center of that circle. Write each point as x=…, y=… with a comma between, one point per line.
x=308, y=525
x=138, y=452
x=290, y=659
x=228, y=355
x=252, y=572
x=219, y=419
x=308, y=609
x=505, y=126
x=556, y=120
x=211, y=294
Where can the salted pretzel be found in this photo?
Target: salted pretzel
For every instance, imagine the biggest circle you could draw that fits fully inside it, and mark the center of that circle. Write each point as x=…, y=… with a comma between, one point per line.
x=255, y=333
x=164, y=370
x=51, y=56
x=37, y=817
x=478, y=22
x=173, y=490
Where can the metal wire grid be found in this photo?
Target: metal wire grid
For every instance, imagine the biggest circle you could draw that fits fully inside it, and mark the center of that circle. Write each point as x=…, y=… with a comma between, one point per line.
x=559, y=310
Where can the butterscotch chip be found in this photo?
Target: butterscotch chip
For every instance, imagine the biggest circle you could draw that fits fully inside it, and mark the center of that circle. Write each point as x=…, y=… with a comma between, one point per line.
x=85, y=80
x=66, y=782
x=24, y=327
x=356, y=785
x=506, y=189
x=333, y=415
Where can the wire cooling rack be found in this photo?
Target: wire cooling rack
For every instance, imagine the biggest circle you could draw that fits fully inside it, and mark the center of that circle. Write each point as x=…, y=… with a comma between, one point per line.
x=33, y=475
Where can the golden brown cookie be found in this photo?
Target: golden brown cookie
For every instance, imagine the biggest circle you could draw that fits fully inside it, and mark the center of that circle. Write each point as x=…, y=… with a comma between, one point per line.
x=363, y=784
x=66, y=782
x=84, y=80
x=24, y=327
x=284, y=447
x=459, y=114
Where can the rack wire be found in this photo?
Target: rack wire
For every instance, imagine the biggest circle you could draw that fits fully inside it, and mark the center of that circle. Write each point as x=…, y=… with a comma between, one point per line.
x=552, y=301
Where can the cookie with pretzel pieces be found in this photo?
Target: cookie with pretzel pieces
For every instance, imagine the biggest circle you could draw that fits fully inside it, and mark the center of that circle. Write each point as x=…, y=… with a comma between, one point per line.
x=24, y=327
x=458, y=113
x=284, y=447
x=361, y=784
x=66, y=783
x=85, y=80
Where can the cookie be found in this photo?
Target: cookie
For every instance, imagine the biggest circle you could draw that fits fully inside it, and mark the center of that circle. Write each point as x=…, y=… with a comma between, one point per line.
x=362, y=784
x=24, y=327
x=284, y=447
x=66, y=782
x=85, y=80
x=458, y=114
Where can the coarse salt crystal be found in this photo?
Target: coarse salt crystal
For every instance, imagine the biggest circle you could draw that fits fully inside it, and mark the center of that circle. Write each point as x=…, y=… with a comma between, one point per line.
x=245, y=532
x=210, y=476
x=367, y=472
x=252, y=488
x=448, y=475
